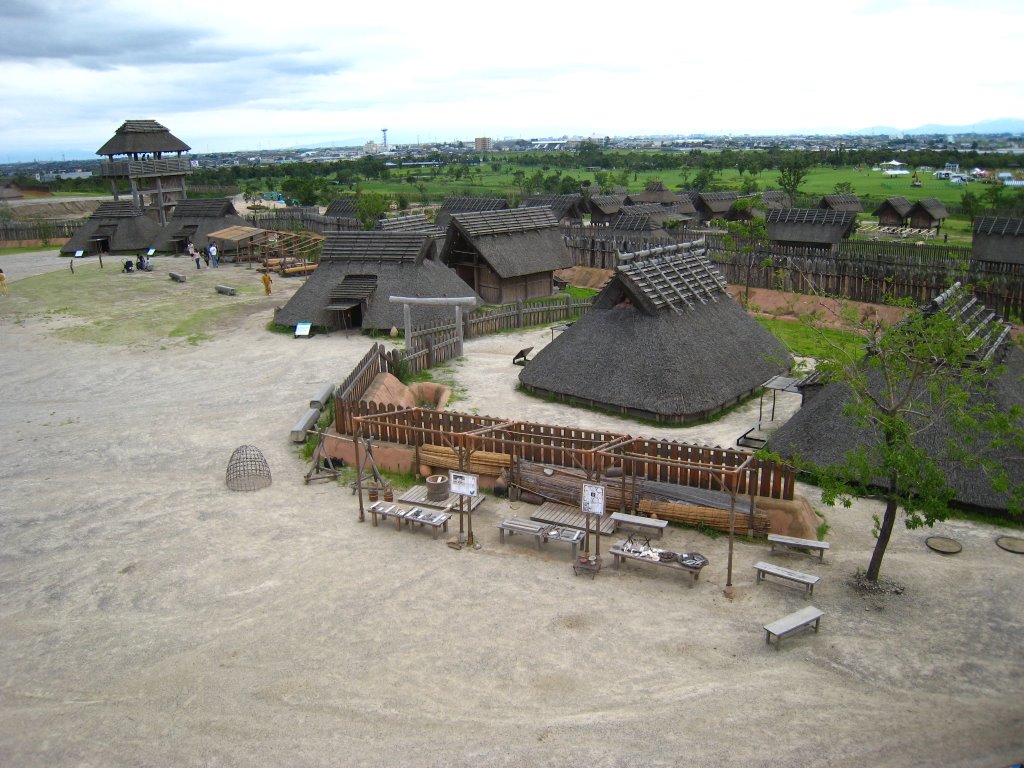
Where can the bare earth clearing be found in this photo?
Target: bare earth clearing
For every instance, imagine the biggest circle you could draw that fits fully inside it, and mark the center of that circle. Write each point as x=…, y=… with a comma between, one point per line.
x=150, y=616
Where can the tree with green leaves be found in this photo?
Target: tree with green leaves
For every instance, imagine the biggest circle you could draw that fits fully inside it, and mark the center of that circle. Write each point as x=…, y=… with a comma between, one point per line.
x=919, y=405
x=744, y=235
x=370, y=206
x=792, y=172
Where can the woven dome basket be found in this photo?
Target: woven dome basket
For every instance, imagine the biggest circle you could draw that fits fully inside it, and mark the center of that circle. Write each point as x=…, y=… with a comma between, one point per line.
x=247, y=469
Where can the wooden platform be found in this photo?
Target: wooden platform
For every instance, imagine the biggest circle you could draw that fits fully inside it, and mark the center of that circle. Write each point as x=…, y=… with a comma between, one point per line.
x=418, y=495
x=571, y=517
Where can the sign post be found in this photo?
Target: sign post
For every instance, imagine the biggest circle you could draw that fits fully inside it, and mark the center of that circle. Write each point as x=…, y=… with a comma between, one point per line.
x=592, y=501
x=464, y=484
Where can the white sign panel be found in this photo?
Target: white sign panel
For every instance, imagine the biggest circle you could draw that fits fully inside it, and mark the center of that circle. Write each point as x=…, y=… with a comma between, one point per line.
x=462, y=483
x=593, y=499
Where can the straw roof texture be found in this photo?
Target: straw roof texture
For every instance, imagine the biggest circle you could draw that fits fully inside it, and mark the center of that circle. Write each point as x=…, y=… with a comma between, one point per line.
x=402, y=263
x=562, y=206
x=607, y=204
x=898, y=203
x=468, y=205
x=126, y=228
x=932, y=206
x=195, y=220
x=821, y=433
x=654, y=192
x=809, y=225
x=677, y=359
x=342, y=208
x=514, y=242
x=992, y=225
x=142, y=136
x=842, y=202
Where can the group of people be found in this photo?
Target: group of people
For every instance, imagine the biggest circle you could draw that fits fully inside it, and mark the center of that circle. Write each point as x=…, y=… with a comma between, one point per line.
x=141, y=264
x=208, y=254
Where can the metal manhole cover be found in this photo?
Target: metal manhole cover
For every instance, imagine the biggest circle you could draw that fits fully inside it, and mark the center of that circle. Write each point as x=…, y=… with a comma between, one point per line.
x=1011, y=544
x=943, y=544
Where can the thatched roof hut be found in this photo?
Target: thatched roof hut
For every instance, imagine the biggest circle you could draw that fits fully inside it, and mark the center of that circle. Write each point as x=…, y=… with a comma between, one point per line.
x=136, y=138
x=468, y=205
x=114, y=227
x=360, y=271
x=714, y=205
x=821, y=433
x=410, y=222
x=841, y=202
x=893, y=212
x=566, y=208
x=663, y=341
x=506, y=255
x=603, y=208
x=809, y=227
x=194, y=220
x=927, y=214
x=998, y=239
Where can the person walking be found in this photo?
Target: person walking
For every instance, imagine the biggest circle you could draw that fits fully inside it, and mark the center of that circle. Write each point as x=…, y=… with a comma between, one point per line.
x=193, y=253
x=206, y=257
x=267, y=282
x=213, y=254
x=3, y=284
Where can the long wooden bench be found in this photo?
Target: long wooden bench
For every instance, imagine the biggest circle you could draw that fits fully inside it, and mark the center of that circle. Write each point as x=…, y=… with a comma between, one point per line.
x=799, y=545
x=622, y=551
x=648, y=525
x=789, y=574
x=787, y=625
x=542, y=532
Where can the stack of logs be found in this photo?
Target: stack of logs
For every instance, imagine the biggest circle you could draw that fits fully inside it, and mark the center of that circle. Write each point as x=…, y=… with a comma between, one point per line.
x=286, y=267
x=480, y=462
x=690, y=514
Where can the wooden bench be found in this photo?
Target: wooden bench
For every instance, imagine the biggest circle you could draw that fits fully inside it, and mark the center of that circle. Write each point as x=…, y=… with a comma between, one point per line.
x=648, y=525
x=620, y=552
x=521, y=356
x=386, y=510
x=543, y=532
x=787, y=625
x=799, y=545
x=789, y=574
x=426, y=517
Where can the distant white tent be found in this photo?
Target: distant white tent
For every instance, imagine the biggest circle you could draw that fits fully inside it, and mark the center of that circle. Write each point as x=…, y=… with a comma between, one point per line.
x=893, y=163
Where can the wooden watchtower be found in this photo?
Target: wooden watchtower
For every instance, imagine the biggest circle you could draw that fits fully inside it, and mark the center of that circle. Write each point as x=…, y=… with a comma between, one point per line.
x=147, y=158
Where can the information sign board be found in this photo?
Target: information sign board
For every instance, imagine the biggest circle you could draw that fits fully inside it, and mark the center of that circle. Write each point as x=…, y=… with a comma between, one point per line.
x=462, y=483
x=593, y=499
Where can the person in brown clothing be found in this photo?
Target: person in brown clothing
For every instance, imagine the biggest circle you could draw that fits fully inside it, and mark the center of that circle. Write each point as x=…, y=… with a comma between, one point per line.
x=267, y=282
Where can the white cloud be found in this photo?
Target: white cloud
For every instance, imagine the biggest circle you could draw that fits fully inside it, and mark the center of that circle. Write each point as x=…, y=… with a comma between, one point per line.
x=239, y=75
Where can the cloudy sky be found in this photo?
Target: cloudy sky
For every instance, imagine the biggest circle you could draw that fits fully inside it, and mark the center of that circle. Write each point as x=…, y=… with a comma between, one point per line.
x=225, y=75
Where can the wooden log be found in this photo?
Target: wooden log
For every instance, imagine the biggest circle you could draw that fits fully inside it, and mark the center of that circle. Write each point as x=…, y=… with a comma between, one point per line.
x=322, y=397
x=718, y=519
x=305, y=269
x=176, y=277
x=480, y=462
x=226, y=290
x=303, y=425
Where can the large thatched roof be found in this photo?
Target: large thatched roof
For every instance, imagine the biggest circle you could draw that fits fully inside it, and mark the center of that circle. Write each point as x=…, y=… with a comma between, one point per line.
x=663, y=341
x=343, y=208
x=194, y=220
x=123, y=227
x=366, y=269
x=467, y=205
x=898, y=204
x=562, y=206
x=842, y=202
x=994, y=225
x=809, y=225
x=821, y=433
x=931, y=206
x=514, y=242
x=607, y=204
x=654, y=192
x=142, y=136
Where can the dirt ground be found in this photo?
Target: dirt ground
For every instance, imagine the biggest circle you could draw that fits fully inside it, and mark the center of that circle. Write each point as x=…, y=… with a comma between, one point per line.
x=149, y=616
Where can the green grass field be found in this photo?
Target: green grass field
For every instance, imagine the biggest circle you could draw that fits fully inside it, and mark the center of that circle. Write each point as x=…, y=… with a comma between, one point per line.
x=106, y=306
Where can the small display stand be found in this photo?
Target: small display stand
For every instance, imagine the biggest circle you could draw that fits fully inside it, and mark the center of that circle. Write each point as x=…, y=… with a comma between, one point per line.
x=584, y=564
x=303, y=330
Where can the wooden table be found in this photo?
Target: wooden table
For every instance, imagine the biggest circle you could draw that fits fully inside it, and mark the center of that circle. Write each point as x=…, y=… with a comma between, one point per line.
x=542, y=532
x=386, y=510
x=425, y=517
x=621, y=551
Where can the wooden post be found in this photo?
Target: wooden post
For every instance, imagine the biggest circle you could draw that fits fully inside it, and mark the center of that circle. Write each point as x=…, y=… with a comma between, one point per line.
x=359, y=479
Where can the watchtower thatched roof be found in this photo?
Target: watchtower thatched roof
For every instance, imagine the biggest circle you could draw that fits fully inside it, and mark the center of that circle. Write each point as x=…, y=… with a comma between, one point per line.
x=663, y=341
x=115, y=226
x=362, y=270
x=821, y=432
x=136, y=137
x=842, y=202
x=513, y=242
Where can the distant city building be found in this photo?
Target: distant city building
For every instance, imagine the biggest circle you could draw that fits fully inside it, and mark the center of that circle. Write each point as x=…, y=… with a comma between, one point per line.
x=483, y=144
